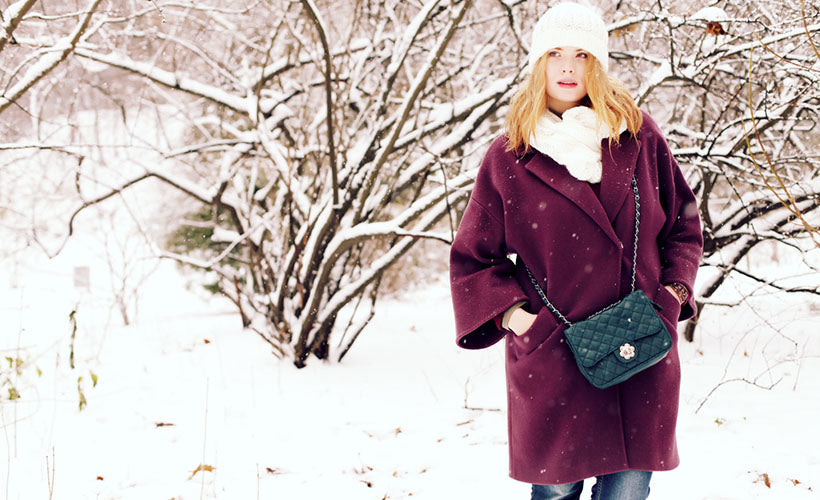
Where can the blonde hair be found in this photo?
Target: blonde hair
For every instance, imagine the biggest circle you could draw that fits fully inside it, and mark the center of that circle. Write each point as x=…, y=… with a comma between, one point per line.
x=606, y=95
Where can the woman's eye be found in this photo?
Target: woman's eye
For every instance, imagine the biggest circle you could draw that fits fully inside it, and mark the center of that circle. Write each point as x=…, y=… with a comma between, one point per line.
x=582, y=55
x=553, y=53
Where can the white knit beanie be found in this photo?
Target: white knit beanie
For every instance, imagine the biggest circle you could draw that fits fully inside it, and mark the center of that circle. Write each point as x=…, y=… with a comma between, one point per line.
x=570, y=25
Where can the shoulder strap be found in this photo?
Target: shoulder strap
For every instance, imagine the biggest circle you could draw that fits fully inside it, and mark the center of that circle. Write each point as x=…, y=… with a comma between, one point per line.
x=543, y=295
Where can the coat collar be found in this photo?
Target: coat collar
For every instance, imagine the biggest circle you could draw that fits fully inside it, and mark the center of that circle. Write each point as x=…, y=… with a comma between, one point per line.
x=618, y=165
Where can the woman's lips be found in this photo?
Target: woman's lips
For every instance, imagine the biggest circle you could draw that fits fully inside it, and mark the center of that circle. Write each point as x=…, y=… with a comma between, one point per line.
x=568, y=84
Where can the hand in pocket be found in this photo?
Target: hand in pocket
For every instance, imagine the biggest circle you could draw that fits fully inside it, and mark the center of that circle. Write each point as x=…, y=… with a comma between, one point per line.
x=521, y=321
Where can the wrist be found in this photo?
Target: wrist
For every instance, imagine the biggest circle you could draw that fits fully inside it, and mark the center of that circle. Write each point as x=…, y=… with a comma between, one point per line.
x=679, y=290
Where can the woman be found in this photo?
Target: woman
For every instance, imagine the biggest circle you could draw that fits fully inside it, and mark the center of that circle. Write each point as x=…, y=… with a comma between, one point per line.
x=555, y=192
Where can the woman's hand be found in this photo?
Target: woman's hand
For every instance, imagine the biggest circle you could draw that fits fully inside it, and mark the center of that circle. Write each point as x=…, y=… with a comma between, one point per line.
x=521, y=321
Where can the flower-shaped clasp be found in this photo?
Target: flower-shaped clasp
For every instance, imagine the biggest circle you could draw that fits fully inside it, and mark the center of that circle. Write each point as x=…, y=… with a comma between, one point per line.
x=627, y=351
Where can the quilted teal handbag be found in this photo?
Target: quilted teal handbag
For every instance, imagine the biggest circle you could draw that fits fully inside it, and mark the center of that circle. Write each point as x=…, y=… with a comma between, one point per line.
x=622, y=339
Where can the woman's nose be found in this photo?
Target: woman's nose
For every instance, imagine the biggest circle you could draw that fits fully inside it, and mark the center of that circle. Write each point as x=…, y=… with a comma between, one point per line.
x=566, y=69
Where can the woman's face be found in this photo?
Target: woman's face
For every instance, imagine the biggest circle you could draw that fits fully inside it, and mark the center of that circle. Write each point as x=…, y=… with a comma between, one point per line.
x=566, y=77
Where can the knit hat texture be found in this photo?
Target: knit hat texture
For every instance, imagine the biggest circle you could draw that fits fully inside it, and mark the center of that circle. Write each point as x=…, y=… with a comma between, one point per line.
x=570, y=25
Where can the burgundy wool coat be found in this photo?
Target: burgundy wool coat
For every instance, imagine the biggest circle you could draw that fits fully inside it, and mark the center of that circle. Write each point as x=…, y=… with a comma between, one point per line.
x=579, y=246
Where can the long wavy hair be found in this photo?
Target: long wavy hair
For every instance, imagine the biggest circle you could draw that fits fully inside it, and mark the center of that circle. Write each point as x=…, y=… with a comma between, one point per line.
x=606, y=95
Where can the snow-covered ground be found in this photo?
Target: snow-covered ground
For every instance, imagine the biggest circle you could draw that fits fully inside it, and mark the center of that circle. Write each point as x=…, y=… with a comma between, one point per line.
x=187, y=405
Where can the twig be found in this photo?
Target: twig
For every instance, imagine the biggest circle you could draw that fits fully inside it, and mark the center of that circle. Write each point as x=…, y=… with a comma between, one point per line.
x=800, y=365
x=791, y=204
x=8, y=449
x=477, y=408
x=741, y=379
x=157, y=7
x=204, y=441
x=49, y=475
x=516, y=33
x=771, y=282
x=806, y=26
x=72, y=319
x=474, y=408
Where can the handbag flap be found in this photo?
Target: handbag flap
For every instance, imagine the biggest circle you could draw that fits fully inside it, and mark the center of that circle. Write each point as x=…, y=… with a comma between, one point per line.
x=629, y=320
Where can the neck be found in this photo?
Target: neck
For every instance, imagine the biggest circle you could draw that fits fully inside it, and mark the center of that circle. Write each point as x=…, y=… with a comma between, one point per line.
x=559, y=110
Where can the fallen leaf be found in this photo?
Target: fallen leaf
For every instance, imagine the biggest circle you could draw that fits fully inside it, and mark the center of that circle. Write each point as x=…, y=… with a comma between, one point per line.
x=766, y=480
x=271, y=470
x=203, y=468
x=100, y=478
x=368, y=483
x=164, y=424
x=623, y=31
x=795, y=481
x=713, y=28
x=397, y=431
x=207, y=341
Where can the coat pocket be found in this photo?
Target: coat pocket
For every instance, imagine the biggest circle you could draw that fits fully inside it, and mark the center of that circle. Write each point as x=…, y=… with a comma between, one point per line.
x=671, y=308
x=544, y=325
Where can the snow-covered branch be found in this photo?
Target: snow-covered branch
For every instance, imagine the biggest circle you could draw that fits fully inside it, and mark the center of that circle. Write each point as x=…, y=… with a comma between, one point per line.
x=11, y=18
x=48, y=59
x=409, y=101
x=328, y=70
x=242, y=105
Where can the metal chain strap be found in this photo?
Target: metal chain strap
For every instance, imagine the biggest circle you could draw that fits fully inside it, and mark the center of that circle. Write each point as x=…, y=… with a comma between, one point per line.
x=544, y=298
x=637, y=224
x=634, y=260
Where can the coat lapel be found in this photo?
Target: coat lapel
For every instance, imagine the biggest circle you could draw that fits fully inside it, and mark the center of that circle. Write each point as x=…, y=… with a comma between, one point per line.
x=616, y=182
x=616, y=178
x=558, y=177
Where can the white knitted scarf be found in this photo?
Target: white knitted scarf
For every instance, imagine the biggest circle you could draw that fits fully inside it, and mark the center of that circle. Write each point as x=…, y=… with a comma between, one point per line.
x=573, y=140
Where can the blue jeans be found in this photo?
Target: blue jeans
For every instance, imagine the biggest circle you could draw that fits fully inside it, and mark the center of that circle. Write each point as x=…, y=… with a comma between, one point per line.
x=625, y=485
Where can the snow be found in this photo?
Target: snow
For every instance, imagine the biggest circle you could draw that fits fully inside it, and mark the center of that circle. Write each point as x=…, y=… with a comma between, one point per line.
x=391, y=421
x=715, y=14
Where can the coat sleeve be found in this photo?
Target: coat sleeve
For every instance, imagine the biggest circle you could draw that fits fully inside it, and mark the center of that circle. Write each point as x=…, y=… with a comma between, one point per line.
x=482, y=280
x=681, y=238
